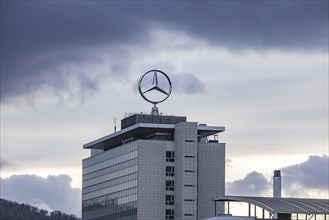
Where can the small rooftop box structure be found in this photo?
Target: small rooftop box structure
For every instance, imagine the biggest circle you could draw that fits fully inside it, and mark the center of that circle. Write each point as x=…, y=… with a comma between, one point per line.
x=153, y=119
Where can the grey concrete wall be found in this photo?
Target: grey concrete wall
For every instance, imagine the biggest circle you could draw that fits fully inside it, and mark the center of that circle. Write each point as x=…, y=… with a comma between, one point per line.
x=211, y=178
x=151, y=180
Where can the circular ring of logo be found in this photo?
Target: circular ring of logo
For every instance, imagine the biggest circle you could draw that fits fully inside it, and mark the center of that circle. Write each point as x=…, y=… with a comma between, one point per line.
x=155, y=86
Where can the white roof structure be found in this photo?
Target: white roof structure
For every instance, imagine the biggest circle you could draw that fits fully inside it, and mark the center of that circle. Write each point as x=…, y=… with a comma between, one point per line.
x=283, y=205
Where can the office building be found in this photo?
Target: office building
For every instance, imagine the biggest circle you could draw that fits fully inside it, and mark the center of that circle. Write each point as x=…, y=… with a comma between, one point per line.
x=156, y=167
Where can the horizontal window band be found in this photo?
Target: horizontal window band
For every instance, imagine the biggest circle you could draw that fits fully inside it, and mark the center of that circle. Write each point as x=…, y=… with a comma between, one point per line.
x=190, y=141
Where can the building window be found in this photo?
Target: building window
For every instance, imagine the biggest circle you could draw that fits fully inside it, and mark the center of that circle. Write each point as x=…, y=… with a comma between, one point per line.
x=189, y=171
x=170, y=156
x=189, y=185
x=169, y=214
x=191, y=141
x=169, y=199
x=188, y=214
x=170, y=185
x=187, y=156
x=170, y=171
x=189, y=200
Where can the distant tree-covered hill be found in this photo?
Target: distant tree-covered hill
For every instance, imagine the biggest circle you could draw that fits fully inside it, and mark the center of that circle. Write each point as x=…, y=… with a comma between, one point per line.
x=10, y=210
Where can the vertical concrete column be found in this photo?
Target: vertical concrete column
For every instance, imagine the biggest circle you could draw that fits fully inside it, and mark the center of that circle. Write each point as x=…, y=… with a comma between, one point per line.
x=186, y=160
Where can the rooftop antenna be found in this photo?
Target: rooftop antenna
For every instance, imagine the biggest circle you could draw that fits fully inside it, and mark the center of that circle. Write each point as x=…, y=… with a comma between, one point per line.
x=156, y=88
x=115, y=124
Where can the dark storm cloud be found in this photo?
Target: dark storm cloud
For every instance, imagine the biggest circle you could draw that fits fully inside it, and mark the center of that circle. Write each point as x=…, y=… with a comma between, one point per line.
x=312, y=174
x=252, y=24
x=254, y=184
x=40, y=39
x=37, y=37
x=53, y=191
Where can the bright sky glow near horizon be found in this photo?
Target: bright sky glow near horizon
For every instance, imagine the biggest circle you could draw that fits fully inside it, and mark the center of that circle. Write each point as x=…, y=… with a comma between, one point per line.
x=259, y=68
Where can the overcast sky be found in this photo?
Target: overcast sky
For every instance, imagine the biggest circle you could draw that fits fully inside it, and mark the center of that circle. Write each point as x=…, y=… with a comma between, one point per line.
x=259, y=68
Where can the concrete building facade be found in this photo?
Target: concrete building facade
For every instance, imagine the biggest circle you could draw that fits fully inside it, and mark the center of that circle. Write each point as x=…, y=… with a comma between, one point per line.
x=155, y=168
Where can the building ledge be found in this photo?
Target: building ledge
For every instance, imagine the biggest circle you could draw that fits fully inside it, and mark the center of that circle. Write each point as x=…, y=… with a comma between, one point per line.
x=141, y=131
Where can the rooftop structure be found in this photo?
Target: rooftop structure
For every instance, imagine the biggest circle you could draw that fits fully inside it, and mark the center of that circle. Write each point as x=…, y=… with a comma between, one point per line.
x=142, y=126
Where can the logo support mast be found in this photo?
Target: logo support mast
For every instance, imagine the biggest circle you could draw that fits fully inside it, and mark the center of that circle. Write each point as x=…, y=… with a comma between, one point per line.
x=155, y=88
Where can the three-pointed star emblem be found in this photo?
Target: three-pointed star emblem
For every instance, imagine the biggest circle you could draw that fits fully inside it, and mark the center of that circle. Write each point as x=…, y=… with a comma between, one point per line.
x=155, y=85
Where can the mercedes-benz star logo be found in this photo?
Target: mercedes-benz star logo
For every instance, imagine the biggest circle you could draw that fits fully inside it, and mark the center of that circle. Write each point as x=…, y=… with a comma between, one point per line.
x=159, y=90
